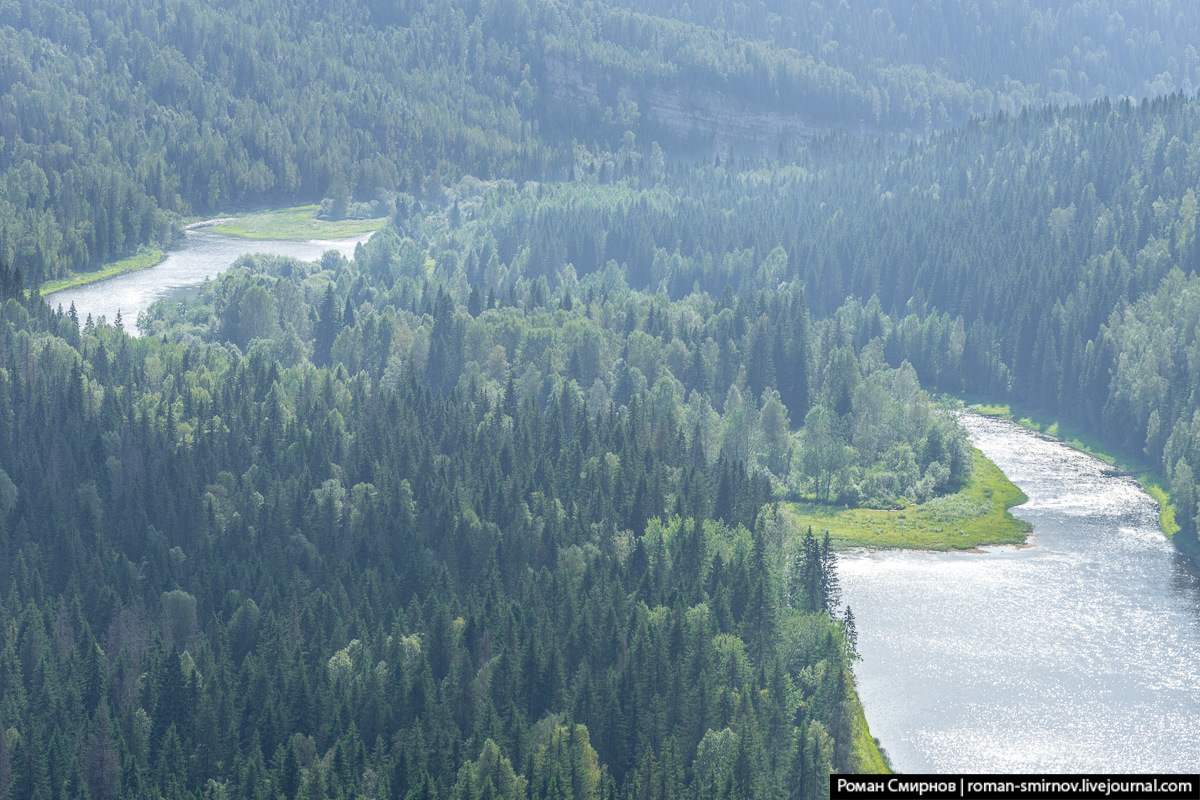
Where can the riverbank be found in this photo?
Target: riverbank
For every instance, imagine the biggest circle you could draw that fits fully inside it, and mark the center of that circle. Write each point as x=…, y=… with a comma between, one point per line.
x=142, y=260
x=868, y=754
x=1076, y=438
x=297, y=223
x=286, y=224
x=951, y=644
x=975, y=516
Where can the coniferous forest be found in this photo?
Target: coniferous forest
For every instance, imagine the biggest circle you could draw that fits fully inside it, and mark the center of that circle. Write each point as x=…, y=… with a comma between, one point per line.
x=492, y=509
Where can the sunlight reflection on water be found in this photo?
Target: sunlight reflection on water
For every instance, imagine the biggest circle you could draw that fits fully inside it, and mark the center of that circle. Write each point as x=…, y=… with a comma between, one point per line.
x=203, y=257
x=1081, y=653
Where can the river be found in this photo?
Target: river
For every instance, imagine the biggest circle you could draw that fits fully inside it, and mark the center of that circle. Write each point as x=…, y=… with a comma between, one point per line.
x=1081, y=653
x=1078, y=654
x=203, y=256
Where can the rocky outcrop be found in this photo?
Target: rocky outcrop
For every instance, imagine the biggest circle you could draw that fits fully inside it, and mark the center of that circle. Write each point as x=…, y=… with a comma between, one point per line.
x=717, y=119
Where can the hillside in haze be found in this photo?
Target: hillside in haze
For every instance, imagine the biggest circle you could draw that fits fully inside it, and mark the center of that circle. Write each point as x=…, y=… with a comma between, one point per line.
x=118, y=118
x=496, y=508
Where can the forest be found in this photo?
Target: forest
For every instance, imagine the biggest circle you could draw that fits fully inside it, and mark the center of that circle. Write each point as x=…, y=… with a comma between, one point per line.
x=1048, y=258
x=118, y=119
x=257, y=579
x=493, y=508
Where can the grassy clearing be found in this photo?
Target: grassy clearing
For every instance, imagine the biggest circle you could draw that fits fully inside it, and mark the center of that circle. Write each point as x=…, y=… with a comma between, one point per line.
x=992, y=410
x=294, y=223
x=976, y=515
x=1152, y=482
x=142, y=260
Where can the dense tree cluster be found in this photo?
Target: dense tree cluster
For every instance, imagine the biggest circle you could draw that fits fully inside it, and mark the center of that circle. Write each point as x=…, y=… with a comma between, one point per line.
x=1152, y=350
x=919, y=64
x=1046, y=257
x=738, y=374
x=230, y=577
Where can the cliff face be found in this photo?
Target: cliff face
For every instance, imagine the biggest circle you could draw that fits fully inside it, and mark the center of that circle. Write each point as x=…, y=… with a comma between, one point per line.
x=716, y=121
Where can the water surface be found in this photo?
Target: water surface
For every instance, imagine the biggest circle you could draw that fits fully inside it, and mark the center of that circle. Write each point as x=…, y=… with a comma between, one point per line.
x=202, y=257
x=1079, y=654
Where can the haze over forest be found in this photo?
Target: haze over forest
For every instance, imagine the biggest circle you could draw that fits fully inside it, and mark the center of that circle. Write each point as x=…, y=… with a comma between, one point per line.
x=497, y=508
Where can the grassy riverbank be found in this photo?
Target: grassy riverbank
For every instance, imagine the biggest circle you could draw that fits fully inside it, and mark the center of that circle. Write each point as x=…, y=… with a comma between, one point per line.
x=1153, y=483
x=299, y=222
x=975, y=516
x=142, y=260
x=870, y=759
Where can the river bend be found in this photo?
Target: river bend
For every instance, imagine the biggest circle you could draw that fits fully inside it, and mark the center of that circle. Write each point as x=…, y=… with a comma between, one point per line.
x=203, y=256
x=1081, y=653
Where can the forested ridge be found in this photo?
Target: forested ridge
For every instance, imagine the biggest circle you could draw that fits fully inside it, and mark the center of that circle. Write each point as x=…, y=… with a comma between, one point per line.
x=119, y=118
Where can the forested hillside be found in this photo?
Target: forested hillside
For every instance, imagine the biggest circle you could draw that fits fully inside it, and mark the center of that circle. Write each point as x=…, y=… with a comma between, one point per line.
x=489, y=510
x=117, y=118
x=253, y=580
x=737, y=375
x=1049, y=257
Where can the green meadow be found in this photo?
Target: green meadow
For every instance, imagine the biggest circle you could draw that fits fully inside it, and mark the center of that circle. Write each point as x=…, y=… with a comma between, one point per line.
x=299, y=222
x=976, y=515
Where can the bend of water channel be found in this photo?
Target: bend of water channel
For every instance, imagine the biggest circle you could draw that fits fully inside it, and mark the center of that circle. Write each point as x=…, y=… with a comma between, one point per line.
x=203, y=256
x=1078, y=654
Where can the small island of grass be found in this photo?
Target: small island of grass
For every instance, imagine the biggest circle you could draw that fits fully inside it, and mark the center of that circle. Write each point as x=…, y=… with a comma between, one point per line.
x=976, y=515
x=300, y=222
